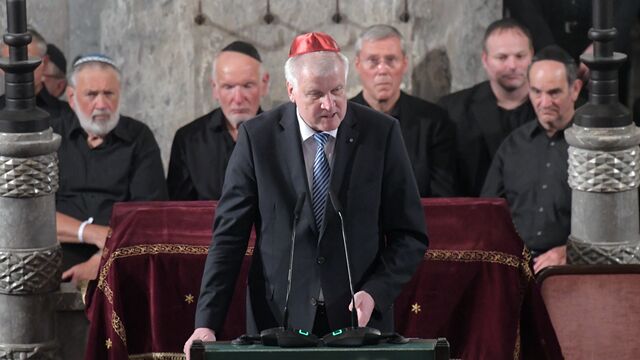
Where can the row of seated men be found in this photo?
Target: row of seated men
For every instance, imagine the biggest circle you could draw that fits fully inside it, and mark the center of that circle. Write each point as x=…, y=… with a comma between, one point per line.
x=500, y=138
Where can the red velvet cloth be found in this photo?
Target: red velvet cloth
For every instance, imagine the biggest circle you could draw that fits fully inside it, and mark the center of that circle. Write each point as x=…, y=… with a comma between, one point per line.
x=475, y=286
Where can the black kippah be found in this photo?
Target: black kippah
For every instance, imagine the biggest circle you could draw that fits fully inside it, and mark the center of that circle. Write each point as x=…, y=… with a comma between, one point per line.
x=555, y=53
x=243, y=48
x=57, y=57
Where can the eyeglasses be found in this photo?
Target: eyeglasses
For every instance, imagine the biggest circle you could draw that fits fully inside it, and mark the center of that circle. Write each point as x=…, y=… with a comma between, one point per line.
x=52, y=76
x=391, y=61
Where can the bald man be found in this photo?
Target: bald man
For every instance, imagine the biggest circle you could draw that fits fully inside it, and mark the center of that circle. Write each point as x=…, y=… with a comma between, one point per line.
x=201, y=149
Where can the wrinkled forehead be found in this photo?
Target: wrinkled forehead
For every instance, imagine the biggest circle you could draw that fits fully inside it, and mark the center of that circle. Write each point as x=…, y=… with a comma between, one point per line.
x=93, y=73
x=512, y=38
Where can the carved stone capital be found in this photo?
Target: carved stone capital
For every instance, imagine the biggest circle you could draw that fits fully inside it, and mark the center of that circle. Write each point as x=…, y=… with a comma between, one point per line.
x=28, y=177
x=42, y=351
x=30, y=271
x=580, y=252
x=604, y=171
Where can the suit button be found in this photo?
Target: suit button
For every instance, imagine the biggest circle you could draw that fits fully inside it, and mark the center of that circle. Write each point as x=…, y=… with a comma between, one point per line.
x=314, y=302
x=321, y=260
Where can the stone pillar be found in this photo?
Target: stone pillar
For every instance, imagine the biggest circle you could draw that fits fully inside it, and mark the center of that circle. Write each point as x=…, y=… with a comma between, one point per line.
x=604, y=160
x=30, y=256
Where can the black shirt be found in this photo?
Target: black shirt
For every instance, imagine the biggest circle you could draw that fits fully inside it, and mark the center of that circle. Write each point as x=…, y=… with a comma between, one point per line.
x=429, y=137
x=47, y=102
x=480, y=131
x=125, y=167
x=530, y=171
x=199, y=157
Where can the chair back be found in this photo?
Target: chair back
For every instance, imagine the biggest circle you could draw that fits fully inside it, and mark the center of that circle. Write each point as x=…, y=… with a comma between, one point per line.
x=595, y=309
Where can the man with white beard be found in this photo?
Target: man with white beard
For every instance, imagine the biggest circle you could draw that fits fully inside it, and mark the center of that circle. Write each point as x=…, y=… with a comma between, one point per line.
x=104, y=158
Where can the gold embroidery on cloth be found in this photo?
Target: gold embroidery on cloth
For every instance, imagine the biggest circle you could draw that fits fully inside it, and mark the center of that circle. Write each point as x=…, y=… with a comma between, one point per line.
x=416, y=308
x=496, y=257
x=137, y=250
x=473, y=256
x=118, y=327
x=158, y=356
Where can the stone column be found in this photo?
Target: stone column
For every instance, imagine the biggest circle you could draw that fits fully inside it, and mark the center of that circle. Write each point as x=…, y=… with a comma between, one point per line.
x=604, y=160
x=30, y=256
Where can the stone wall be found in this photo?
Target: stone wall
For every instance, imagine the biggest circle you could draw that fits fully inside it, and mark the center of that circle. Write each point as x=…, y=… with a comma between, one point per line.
x=166, y=56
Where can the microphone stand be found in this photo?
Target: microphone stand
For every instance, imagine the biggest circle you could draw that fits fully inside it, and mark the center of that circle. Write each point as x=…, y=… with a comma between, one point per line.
x=285, y=336
x=355, y=335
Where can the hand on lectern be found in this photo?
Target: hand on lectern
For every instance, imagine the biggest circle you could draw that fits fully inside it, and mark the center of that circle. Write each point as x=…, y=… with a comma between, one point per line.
x=364, y=307
x=204, y=334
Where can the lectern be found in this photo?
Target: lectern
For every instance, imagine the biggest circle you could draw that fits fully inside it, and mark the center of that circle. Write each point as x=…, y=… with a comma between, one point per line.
x=418, y=349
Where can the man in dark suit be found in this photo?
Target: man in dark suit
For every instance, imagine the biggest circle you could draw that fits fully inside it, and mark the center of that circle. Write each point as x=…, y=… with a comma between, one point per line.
x=486, y=113
x=316, y=143
x=428, y=133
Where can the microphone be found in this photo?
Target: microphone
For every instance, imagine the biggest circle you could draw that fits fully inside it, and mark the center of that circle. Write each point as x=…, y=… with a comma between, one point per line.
x=354, y=335
x=296, y=217
x=284, y=336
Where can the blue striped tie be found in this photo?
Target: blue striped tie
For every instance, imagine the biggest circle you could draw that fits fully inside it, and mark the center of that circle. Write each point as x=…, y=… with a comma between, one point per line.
x=321, y=174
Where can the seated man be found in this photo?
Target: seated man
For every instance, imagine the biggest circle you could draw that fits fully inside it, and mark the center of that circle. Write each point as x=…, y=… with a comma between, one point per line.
x=104, y=158
x=201, y=149
x=486, y=113
x=44, y=100
x=54, y=76
x=530, y=167
x=428, y=133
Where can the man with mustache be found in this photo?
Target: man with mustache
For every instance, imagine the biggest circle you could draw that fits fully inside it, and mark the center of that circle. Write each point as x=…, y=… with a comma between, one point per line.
x=201, y=149
x=530, y=167
x=104, y=158
x=487, y=112
x=428, y=133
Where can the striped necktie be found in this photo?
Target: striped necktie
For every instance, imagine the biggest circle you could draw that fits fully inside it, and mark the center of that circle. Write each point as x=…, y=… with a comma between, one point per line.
x=321, y=174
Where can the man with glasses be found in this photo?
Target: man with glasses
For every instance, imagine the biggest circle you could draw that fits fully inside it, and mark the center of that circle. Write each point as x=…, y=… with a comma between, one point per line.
x=54, y=76
x=44, y=100
x=428, y=134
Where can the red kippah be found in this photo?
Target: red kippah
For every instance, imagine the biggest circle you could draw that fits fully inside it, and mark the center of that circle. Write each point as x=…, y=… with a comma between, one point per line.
x=312, y=42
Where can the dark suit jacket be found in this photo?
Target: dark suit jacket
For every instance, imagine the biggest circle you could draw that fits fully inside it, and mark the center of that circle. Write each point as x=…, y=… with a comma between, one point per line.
x=479, y=132
x=384, y=221
x=430, y=139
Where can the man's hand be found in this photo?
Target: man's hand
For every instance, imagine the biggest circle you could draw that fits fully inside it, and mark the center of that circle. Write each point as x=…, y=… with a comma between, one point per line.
x=364, y=307
x=87, y=270
x=204, y=334
x=555, y=256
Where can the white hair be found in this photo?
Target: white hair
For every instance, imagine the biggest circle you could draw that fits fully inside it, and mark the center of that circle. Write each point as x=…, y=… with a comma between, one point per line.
x=92, y=64
x=380, y=32
x=323, y=62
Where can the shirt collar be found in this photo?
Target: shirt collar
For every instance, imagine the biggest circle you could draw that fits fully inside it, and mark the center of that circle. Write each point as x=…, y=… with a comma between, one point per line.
x=536, y=128
x=306, y=131
x=219, y=123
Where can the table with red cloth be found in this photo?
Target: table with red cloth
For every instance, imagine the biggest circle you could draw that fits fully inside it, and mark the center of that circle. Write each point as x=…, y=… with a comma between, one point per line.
x=475, y=286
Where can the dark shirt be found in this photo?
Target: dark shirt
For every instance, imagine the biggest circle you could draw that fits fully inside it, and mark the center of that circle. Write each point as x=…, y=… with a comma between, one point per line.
x=480, y=129
x=530, y=172
x=429, y=138
x=125, y=167
x=47, y=102
x=199, y=157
